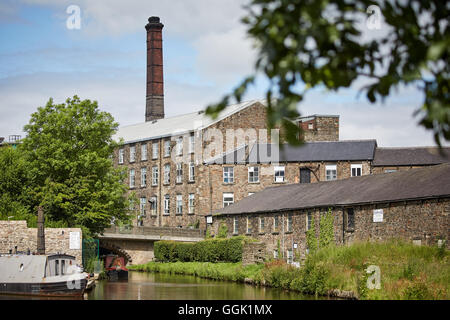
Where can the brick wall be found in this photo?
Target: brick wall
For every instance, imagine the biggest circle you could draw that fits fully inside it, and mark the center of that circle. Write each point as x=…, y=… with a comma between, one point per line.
x=16, y=233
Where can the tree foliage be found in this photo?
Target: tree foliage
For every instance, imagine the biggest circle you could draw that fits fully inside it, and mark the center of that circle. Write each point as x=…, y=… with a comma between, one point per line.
x=326, y=232
x=305, y=44
x=65, y=164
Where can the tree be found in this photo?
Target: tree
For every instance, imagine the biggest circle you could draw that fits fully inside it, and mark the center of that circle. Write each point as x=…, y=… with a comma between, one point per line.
x=68, y=149
x=13, y=182
x=305, y=44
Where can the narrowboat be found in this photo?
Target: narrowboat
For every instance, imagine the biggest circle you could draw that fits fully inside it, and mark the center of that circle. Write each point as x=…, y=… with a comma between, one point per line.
x=53, y=275
x=115, y=267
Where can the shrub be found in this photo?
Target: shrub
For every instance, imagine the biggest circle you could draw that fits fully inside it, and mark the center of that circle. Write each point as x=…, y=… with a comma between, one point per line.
x=211, y=250
x=223, y=231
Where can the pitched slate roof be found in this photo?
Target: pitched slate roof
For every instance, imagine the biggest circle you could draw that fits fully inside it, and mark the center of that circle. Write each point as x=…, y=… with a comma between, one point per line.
x=176, y=125
x=351, y=150
x=410, y=156
x=422, y=183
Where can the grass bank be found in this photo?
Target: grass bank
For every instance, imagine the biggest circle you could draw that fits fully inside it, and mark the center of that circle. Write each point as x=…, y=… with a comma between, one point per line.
x=406, y=271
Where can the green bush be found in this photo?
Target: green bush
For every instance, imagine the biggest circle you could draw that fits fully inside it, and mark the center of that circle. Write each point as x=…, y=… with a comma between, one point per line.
x=211, y=250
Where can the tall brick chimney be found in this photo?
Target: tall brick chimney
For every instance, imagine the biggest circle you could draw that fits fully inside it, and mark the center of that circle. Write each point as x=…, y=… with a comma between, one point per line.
x=154, y=107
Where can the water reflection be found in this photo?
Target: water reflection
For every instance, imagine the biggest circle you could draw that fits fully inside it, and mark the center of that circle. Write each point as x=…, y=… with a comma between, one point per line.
x=156, y=286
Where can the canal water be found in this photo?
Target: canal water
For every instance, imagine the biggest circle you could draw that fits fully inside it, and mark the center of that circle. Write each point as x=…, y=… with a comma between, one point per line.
x=159, y=286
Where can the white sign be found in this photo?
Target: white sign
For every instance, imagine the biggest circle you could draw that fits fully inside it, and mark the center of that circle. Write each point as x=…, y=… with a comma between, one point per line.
x=209, y=219
x=295, y=246
x=378, y=215
x=74, y=240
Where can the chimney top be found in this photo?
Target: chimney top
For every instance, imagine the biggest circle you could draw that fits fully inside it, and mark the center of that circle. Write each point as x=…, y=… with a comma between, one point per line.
x=153, y=22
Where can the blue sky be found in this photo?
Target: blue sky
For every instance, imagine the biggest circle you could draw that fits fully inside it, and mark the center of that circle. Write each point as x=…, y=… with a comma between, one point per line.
x=206, y=53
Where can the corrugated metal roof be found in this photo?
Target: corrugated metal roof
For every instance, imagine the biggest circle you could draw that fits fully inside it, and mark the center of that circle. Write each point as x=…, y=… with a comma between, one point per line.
x=423, y=183
x=176, y=125
x=410, y=156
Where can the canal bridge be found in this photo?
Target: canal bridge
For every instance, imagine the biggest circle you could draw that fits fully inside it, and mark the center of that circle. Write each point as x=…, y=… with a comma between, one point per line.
x=136, y=244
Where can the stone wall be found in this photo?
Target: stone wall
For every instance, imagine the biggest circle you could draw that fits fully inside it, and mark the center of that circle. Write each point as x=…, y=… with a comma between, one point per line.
x=16, y=234
x=253, y=252
x=241, y=187
x=320, y=128
x=423, y=222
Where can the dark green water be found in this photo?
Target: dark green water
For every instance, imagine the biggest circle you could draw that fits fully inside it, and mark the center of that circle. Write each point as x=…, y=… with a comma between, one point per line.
x=158, y=286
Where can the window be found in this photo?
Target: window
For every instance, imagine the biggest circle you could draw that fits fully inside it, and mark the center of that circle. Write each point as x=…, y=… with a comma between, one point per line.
x=235, y=225
x=261, y=225
x=132, y=153
x=279, y=174
x=179, y=173
x=356, y=169
x=331, y=172
x=121, y=155
x=179, y=146
x=275, y=254
x=249, y=225
x=143, y=152
x=56, y=267
x=308, y=220
x=191, y=172
x=275, y=223
x=153, y=205
x=166, y=148
x=167, y=174
x=350, y=219
x=290, y=256
x=155, y=176
x=132, y=178
x=155, y=150
x=390, y=170
x=166, y=204
x=191, y=143
x=142, y=206
x=179, y=204
x=289, y=223
x=143, y=177
x=63, y=267
x=191, y=204
x=250, y=193
x=310, y=126
x=228, y=198
x=253, y=174
x=228, y=174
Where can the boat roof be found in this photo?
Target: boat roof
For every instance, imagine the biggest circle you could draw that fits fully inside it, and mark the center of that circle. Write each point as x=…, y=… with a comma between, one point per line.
x=33, y=268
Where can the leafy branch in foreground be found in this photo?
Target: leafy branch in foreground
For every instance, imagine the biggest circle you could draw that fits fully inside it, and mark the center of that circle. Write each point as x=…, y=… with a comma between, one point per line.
x=305, y=44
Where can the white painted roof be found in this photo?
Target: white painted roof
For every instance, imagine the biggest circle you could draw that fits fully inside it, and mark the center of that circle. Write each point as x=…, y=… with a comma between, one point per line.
x=176, y=125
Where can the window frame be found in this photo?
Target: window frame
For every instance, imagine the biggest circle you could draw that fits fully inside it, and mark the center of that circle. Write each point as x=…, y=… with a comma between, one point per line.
x=252, y=168
x=143, y=177
x=191, y=203
x=132, y=179
x=155, y=150
x=330, y=167
x=155, y=175
x=132, y=153
x=191, y=172
x=167, y=173
x=179, y=173
x=227, y=195
x=179, y=204
x=356, y=167
x=167, y=148
x=144, y=152
x=166, y=205
x=228, y=174
x=121, y=155
x=278, y=169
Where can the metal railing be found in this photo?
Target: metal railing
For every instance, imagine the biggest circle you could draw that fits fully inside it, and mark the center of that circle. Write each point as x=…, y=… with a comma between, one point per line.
x=158, y=231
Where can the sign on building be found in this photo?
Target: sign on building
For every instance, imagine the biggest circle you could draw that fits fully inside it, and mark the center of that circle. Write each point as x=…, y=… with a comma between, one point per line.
x=378, y=215
x=74, y=240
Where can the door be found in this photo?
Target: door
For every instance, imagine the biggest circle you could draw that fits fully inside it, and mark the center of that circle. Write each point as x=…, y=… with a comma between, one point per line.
x=305, y=175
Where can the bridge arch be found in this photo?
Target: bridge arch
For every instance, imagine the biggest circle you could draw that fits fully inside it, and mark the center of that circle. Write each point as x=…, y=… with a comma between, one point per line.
x=114, y=248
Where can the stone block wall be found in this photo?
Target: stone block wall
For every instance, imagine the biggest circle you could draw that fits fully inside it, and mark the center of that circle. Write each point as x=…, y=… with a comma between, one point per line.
x=17, y=234
x=423, y=222
x=253, y=252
